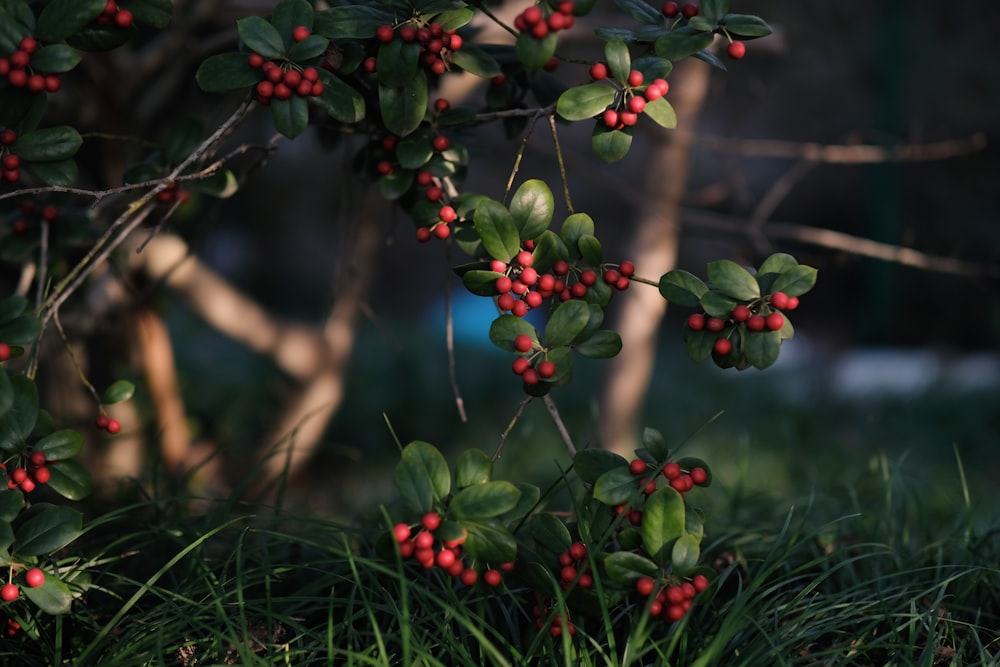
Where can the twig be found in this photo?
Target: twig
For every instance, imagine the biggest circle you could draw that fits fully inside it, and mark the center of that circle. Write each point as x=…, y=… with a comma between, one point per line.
x=777, y=193
x=562, y=164
x=449, y=333
x=520, y=155
x=510, y=427
x=554, y=413
x=76, y=364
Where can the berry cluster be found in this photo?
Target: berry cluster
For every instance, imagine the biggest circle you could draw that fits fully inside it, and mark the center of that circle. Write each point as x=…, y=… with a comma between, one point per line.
x=432, y=191
x=676, y=477
x=672, y=10
x=759, y=315
x=28, y=476
x=12, y=627
x=29, y=211
x=283, y=80
x=430, y=551
x=633, y=99
x=440, y=229
x=17, y=69
x=436, y=45
x=574, y=567
x=670, y=601
x=173, y=193
x=534, y=21
x=543, y=609
x=534, y=367
x=10, y=591
x=112, y=13
x=108, y=424
x=10, y=162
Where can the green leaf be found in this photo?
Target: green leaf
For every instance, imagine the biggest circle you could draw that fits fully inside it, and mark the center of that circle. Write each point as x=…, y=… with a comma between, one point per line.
x=616, y=486
x=716, y=304
x=52, y=597
x=480, y=282
x=395, y=185
x=11, y=504
x=291, y=116
x=662, y=113
x=683, y=288
x=64, y=444
x=761, y=347
x=183, y=137
x=535, y=53
x=733, y=280
x=531, y=208
x=261, y=37
x=288, y=15
x=641, y=11
x=507, y=327
x=484, y=501
x=590, y=464
x=495, y=226
x=49, y=144
x=475, y=61
x=347, y=22
x=63, y=18
x=700, y=23
x=771, y=268
x=6, y=392
x=473, y=467
x=590, y=250
x=226, y=71
x=574, y=228
x=654, y=442
x=97, y=38
x=685, y=553
x=341, y=101
x=610, y=145
x=12, y=306
x=625, y=567
x=549, y=248
x=46, y=528
x=6, y=539
x=565, y=322
x=18, y=22
x=311, y=47
x=154, y=13
x=55, y=58
x=562, y=357
x=61, y=173
x=662, y=522
x=608, y=33
x=422, y=476
x=713, y=10
x=653, y=67
x=403, y=107
x=69, y=479
x=682, y=43
x=619, y=60
x=745, y=25
x=398, y=63
x=549, y=532
x=221, y=184
x=23, y=330
x=585, y=101
x=530, y=495
x=489, y=541
x=796, y=281
x=602, y=345
x=17, y=422
x=415, y=151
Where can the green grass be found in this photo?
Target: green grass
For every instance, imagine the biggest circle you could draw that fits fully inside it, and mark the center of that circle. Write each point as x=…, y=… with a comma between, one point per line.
x=860, y=578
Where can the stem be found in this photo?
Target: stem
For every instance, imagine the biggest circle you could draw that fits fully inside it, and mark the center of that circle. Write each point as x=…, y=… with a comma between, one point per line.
x=520, y=154
x=554, y=413
x=562, y=164
x=510, y=427
x=449, y=332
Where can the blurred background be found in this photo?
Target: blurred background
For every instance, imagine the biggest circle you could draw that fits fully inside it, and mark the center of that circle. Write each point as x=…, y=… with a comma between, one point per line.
x=892, y=367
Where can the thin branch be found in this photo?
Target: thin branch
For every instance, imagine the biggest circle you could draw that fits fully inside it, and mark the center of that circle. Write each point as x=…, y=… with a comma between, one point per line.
x=776, y=194
x=487, y=117
x=844, y=154
x=510, y=427
x=520, y=154
x=76, y=364
x=562, y=163
x=449, y=332
x=554, y=413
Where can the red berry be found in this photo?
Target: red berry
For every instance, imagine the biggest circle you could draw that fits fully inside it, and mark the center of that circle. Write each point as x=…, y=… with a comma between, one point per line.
x=300, y=33
x=645, y=586
x=492, y=578
x=793, y=303
x=441, y=105
x=637, y=467
x=556, y=22
x=446, y=558
x=699, y=475
x=588, y=277
x=696, y=322
x=756, y=323
x=636, y=103
x=740, y=313
x=700, y=582
x=521, y=365
x=610, y=117
x=401, y=532
x=113, y=426
x=431, y=520
x=255, y=60
x=28, y=485
x=598, y=71
x=736, y=50
x=407, y=33
x=11, y=161
x=9, y=592
x=123, y=18
x=19, y=59
x=38, y=458
x=423, y=234
x=635, y=78
x=4, y=351
x=671, y=9
x=779, y=300
x=530, y=376
x=689, y=10
x=628, y=118
x=424, y=540
x=369, y=64
x=28, y=44
x=577, y=551
x=7, y=137
x=715, y=324
x=34, y=577
x=36, y=83
x=560, y=267
x=442, y=231
x=468, y=576
x=19, y=475
x=441, y=143
x=722, y=346
x=292, y=78
x=775, y=321
x=611, y=276
x=524, y=258
x=523, y=343
x=627, y=269
x=546, y=369
x=529, y=276
x=18, y=78
x=675, y=612
x=568, y=573
x=532, y=15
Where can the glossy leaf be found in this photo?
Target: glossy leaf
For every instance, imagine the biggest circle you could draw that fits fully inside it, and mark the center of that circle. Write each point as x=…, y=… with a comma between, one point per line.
x=762, y=347
x=261, y=37
x=574, y=227
x=484, y=501
x=69, y=479
x=481, y=283
x=586, y=101
x=641, y=11
x=473, y=467
x=61, y=173
x=507, y=327
x=566, y=321
x=618, y=59
x=654, y=442
x=11, y=504
x=548, y=531
x=615, y=486
x=291, y=116
x=549, y=249
x=311, y=47
x=351, y=21
x=226, y=71
x=662, y=113
x=19, y=420
x=602, y=345
x=771, y=268
x=717, y=304
x=682, y=43
x=662, y=522
x=535, y=53
x=733, y=280
x=49, y=144
x=22, y=330
x=6, y=392
x=685, y=554
x=154, y=13
x=12, y=306
x=64, y=444
x=683, y=288
x=63, y=18
x=403, y=107
x=745, y=25
x=476, y=61
x=689, y=463
x=341, y=101
x=590, y=464
x=46, y=528
x=590, y=250
x=531, y=208
x=625, y=567
x=422, y=476
x=713, y=10
x=530, y=495
x=395, y=185
x=288, y=15
x=795, y=281
x=55, y=58
x=610, y=145
x=497, y=229
x=398, y=62
x=52, y=597
x=489, y=541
